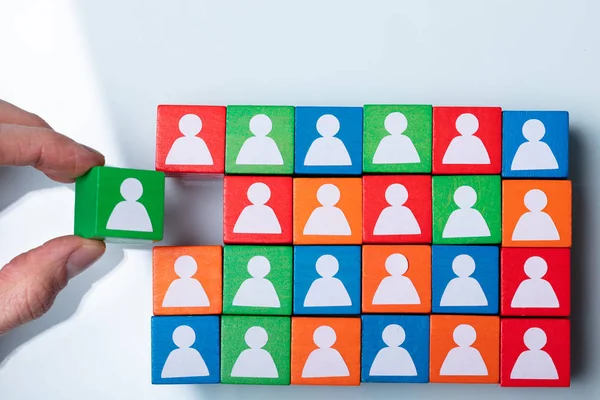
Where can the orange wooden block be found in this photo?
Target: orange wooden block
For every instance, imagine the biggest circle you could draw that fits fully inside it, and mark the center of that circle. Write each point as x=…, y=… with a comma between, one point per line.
x=187, y=280
x=465, y=349
x=327, y=210
x=325, y=351
x=396, y=279
x=536, y=213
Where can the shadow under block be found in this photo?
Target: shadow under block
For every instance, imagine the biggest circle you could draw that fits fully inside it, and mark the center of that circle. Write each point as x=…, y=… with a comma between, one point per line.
x=535, y=144
x=395, y=348
x=185, y=349
x=186, y=280
x=255, y=350
x=466, y=209
x=190, y=140
x=397, y=139
x=120, y=205
x=260, y=140
x=257, y=280
x=396, y=279
x=535, y=352
x=326, y=351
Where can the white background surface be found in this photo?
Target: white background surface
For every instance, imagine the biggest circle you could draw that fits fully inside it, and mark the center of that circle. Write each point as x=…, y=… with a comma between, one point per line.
x=95, y=70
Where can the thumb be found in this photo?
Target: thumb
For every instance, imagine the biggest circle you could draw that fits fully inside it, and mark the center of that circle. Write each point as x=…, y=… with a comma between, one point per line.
x=30, y=282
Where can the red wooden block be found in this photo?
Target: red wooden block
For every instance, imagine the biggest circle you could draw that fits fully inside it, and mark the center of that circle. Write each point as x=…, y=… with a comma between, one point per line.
x=257, y=209
x=535, y=352
x=535, y=282
x=190, y=139
x=397, y=209
x=467, y=140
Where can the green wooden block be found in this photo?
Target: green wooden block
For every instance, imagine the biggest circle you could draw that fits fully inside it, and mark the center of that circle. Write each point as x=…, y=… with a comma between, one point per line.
x=255, y=350
x=257, y=280
x=260, y=140
x=466, y=209
x=120, y=205
x=397, y=138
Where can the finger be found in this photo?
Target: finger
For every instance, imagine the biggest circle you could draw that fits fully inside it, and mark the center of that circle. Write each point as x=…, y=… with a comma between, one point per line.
x=30, y=282
x=59, y=157
x=11, y=114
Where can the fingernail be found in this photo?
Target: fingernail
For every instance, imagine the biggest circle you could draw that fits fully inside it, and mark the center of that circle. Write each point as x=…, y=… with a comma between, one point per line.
x=91, y=150
x=83, y=257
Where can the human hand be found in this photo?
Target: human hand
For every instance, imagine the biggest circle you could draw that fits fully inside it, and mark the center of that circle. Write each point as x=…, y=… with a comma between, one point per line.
x=30, y=282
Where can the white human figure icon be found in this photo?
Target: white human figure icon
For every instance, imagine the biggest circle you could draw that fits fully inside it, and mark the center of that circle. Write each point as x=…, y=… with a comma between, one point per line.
x=184, y=361
x=396, y=288
x=257, y=291
x=466, y=148
x=189, y=149
x=325, y=362
x=464, y=360
x=534, y=154
x=466, y=221
x=327, y=290
x=327, y=219
x=327, y=150
x=255, y=362
x=535, y=224
x=130, y=214
x=393, y=360
x=260, y=149
x=534, y=363
x=463, y=290
x=185, y=291
x=258, y=217
x=535, y=292
x=396, y=148
x=397, y=219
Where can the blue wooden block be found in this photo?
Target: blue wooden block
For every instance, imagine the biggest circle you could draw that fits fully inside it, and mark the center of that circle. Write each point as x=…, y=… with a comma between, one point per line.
x=327, y=280
x=395, y=348
x=185, y=349
x=465, y=279
x=328, y=140
x=535, y=144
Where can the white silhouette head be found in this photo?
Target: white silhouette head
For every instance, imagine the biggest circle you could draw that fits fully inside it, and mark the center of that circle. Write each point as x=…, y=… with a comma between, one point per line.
x=535, y=339
x=535, y=267
x=395, y=123
x=256, y=337
x=464, y=335
x=259, y=266
x=184, y=336
x=261, y=125
x=393, y=335
x=327, y=266
x=533, y=130
x=258, y=193
x=185, y=267
x=396, y=264
x=463, y=265
x=131, y=189
x=396, y=194
x=324, y=337
x=328, y=195
x=535, y=200
x=467, y=124
x=465, y=197
x=328, y=125
x=190, y=125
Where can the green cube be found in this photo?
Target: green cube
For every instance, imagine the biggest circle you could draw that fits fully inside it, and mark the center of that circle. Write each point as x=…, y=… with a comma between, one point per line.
x=260, y=140
x=397, y=138
x=466, y=209
x=120, y=205
x=257, y=280
x=255, y=350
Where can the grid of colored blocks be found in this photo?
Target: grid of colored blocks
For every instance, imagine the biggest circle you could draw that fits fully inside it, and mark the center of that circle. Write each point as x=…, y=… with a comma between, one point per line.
x=384, y=243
